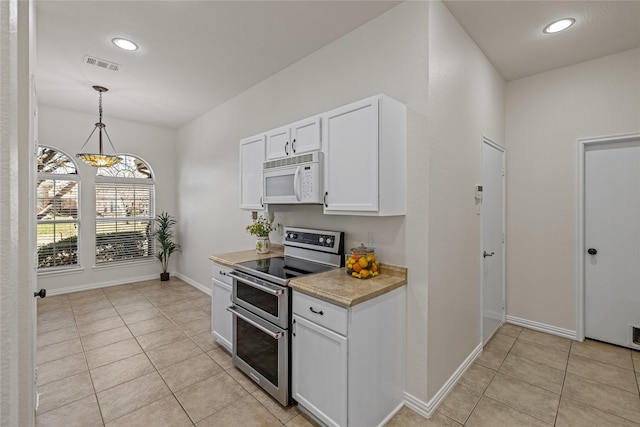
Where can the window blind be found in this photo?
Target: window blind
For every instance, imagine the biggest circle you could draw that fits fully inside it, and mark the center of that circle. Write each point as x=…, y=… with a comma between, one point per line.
x=124, y=219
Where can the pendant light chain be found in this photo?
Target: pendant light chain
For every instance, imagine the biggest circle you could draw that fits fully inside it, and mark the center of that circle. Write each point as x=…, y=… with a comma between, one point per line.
x=99, y=159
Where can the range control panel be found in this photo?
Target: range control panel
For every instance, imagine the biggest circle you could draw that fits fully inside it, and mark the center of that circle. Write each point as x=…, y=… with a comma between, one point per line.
x=327, y=241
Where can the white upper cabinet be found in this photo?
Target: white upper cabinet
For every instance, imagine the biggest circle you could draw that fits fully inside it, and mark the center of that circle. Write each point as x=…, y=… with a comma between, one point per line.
x=306, y=135
x=278, y=143
x=365, y=158
x=252, y=155
x=300, y=137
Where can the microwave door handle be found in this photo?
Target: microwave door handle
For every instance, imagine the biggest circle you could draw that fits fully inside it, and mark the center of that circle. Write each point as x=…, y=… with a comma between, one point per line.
x=296, y=183
x=274, y=335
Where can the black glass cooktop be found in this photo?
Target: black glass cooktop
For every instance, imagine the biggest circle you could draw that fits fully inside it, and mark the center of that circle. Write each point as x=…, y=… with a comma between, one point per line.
x=282, y=268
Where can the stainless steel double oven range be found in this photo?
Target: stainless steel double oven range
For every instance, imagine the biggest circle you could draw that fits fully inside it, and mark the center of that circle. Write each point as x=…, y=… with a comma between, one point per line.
x=262, y=305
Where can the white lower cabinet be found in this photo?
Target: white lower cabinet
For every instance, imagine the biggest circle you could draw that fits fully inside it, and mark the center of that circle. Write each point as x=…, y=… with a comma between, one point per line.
x=348, y=363
x=221, y=319
x=319, y=371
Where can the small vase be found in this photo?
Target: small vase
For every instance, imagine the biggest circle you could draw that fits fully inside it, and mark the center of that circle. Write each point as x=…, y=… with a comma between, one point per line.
x=263, y=245
x=164, y=277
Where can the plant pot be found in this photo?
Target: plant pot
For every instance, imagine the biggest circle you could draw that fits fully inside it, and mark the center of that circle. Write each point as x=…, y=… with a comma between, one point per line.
x=164, y=277
x=263, y=245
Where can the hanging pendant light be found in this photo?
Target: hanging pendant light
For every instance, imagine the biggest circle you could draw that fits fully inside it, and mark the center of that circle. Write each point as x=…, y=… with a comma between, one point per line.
x=100, y=159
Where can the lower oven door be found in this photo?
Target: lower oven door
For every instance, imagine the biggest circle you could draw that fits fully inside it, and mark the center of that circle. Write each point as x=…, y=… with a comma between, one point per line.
x=266, y=299
x=261, y=350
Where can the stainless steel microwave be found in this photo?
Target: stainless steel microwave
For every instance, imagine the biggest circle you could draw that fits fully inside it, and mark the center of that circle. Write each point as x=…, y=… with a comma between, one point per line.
x=293, y=180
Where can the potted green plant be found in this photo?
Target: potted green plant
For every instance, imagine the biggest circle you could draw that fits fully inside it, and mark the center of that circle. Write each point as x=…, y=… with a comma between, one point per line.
x=164, y=236
x=261, y=228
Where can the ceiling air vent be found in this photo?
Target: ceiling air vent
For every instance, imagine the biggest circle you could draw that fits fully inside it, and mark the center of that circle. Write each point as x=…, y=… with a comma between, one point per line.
x=107, y=65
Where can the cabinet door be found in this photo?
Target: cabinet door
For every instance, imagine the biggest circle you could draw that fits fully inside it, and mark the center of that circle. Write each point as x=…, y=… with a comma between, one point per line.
x=351, y=157
x=278, y=143
x=305, y=136
x=251, y=159
x=222, y=319
x=319, y=371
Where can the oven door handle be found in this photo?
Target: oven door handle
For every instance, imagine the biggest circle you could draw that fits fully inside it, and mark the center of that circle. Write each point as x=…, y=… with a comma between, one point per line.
x=275, y=292
x=274, y=335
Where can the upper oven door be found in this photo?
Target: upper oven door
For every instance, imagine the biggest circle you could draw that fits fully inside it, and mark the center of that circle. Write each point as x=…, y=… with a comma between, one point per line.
x=267, y=300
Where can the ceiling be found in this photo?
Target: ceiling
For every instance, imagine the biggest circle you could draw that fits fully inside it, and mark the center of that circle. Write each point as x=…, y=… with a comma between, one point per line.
x=195, y=55
x=510, y=32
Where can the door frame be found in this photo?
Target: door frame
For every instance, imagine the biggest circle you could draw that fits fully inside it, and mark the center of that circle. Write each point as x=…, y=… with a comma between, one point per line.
x=583, y=144
x=488, y=141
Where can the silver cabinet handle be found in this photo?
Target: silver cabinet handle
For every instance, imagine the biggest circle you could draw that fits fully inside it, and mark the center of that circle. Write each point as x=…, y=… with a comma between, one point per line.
x=274, y=335
x=275, y=292
x=486, y=254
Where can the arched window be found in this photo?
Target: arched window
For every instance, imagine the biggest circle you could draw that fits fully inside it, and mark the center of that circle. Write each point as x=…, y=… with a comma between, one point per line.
x=125, y=208
x=57, y=209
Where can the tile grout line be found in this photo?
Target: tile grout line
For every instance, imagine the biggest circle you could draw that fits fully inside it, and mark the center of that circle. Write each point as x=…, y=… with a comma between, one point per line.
x=84, y=353
x=105, y=295
x=173, y=393
x=519, y=379
x=154, y=365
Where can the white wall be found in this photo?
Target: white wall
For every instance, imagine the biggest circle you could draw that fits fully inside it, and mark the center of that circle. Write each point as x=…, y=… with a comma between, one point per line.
x=466, y=102
x=17, y=279
x=546, y=114
x=67, y=131
x=387, y=55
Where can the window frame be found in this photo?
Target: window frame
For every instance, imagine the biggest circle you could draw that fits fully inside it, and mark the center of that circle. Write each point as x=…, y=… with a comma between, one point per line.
x=52, y=176
x=108, y=182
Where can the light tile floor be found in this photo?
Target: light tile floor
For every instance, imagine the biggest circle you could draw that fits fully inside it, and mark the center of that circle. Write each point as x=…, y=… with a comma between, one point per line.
x=143, y=355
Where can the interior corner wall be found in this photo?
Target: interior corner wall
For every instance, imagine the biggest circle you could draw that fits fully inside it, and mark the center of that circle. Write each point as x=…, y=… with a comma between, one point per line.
x=17, y=279
x=466, y=102
x=386, y=55
x=67, y=130
x=546, y=114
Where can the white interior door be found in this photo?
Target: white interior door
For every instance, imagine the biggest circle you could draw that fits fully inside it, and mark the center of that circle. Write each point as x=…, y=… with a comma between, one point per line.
x=612, y=241
x=492, y=238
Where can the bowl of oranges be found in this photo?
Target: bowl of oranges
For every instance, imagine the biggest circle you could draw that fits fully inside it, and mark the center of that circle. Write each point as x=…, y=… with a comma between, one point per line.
x=361, y=262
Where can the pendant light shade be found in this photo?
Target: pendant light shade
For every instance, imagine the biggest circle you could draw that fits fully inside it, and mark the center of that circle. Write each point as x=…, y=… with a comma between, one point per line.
x=99, y=159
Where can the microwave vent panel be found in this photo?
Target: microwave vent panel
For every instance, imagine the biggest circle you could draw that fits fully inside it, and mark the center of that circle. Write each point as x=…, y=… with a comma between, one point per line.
x=288, y=161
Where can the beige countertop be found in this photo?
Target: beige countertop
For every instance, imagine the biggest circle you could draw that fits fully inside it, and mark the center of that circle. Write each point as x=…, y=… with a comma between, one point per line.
x=333, y=286
x=337, y=287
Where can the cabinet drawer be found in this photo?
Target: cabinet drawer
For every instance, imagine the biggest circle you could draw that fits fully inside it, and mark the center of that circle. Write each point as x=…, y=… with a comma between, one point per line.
x=220, y=273
x=320, y=312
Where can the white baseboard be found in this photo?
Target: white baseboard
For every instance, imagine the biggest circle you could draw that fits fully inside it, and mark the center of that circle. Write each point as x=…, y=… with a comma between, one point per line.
x=391, y=415
x=427, y=409
x=104, y=284
x=199, y=286
x=553, y=330
x=417, y=405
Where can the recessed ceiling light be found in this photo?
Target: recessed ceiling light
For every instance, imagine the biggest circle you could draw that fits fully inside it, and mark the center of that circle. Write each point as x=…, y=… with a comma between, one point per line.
x=559, y=25
x=125, y=44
